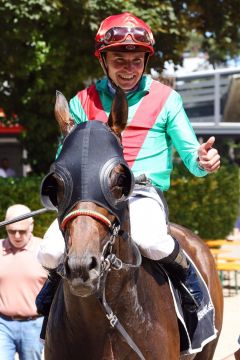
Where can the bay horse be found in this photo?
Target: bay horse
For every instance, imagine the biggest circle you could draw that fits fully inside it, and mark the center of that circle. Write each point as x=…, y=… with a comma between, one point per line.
x=107, y=306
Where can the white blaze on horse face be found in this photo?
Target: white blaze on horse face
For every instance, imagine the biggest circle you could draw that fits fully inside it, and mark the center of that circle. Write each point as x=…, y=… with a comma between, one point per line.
x=62, y=114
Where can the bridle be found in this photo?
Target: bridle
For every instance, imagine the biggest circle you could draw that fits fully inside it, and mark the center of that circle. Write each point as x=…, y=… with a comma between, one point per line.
x=109, y=261
x=83, y=212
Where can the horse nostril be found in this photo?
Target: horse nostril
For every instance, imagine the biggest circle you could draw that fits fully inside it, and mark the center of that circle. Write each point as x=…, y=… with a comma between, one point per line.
x=93, y=263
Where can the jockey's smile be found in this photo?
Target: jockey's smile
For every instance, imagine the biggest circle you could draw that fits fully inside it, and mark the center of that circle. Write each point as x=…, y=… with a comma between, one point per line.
x=125, y=68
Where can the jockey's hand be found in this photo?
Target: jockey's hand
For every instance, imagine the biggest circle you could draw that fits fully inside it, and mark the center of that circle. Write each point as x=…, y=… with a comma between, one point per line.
x=208, y=157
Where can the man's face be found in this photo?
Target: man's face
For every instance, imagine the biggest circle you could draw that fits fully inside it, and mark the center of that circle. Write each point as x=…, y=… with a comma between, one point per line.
x=19, y=233
x=125, y=68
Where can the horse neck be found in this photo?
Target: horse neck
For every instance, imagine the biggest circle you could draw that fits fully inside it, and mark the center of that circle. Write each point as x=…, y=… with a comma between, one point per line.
x=87, y=309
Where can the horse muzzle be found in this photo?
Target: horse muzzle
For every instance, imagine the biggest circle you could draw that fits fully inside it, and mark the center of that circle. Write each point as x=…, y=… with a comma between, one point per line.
x=83, y=274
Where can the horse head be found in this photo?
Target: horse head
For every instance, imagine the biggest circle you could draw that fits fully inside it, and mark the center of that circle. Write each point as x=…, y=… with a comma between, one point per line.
x=89, y=184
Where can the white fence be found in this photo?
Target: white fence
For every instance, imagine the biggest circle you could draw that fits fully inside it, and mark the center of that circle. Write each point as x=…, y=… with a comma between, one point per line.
x=212, y=100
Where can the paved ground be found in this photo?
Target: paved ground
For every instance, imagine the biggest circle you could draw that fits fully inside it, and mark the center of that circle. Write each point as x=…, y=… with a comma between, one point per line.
x=228, y=341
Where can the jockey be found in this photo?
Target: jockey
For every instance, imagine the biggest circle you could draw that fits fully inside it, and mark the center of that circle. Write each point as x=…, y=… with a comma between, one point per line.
x=124, y=44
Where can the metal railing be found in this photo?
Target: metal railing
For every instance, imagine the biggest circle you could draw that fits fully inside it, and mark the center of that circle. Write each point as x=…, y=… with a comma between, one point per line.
x=212, y=100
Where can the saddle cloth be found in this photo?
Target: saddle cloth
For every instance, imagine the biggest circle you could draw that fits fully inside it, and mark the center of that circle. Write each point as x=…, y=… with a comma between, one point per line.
x=196, y=330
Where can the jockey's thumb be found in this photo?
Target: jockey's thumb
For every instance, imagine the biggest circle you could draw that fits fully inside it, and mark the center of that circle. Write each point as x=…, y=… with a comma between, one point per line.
x=205, y=147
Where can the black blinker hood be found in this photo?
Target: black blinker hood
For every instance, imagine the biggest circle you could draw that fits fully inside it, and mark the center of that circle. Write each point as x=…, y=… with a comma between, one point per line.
x=89, y=154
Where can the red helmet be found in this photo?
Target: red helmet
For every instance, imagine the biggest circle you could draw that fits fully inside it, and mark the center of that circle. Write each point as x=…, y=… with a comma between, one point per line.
x=124, y=32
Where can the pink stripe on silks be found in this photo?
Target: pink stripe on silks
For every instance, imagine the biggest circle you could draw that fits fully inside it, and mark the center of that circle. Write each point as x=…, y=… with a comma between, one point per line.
x=91, y=103
x=136, y=132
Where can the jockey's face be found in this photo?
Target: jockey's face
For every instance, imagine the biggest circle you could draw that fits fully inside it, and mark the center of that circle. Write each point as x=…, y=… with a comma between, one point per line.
x=125, y=68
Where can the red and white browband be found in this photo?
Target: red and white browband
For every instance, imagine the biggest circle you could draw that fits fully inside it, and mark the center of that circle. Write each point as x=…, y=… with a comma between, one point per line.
x=83, y=212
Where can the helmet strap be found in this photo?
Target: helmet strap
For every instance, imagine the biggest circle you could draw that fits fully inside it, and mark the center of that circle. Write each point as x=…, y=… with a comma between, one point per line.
x=103, y=63
x=147, y=55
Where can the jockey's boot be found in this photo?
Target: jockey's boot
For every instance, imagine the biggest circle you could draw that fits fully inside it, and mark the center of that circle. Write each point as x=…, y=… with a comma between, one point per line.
x=45, y=297
x=179, y=268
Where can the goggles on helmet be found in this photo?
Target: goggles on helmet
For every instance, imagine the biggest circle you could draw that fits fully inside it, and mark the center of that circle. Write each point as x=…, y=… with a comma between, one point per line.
x=123, y=32
x=120, y=34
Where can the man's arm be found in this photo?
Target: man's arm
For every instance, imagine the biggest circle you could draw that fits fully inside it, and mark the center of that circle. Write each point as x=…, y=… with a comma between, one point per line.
x=199, y=159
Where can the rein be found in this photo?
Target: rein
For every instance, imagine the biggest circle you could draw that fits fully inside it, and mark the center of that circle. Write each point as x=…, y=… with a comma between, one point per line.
x=112, y=262
x=109, y=261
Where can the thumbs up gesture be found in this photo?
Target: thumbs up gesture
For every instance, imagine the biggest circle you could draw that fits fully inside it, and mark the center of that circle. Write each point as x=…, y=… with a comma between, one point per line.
x=208, y=157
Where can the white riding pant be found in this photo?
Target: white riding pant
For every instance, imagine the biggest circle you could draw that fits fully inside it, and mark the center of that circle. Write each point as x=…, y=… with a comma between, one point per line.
x=149, y=230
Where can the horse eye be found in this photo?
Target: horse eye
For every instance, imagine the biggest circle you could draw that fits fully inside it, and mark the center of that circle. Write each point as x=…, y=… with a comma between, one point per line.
x=54, y=189
x=116, y=182
x=60, y=192
x=121, y=180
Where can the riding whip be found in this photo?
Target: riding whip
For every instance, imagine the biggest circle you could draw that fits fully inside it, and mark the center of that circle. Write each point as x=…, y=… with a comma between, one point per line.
x=25, y=216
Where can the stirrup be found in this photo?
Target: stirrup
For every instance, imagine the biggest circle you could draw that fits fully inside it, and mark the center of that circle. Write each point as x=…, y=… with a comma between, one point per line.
x=188, y=299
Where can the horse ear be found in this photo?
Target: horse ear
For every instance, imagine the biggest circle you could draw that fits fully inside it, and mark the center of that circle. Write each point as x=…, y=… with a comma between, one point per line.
x=117, y=120
x=62, y=114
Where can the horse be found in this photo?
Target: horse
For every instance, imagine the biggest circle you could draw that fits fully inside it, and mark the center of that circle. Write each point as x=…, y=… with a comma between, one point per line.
x=109, y=305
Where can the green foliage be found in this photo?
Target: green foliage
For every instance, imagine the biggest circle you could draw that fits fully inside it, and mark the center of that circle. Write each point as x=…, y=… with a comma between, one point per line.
x=48, y=45
x=24, y=191
x=209, y=205
x=218, y=22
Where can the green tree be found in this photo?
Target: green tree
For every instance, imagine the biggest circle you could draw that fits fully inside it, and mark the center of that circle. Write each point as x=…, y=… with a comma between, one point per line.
x=48, y=45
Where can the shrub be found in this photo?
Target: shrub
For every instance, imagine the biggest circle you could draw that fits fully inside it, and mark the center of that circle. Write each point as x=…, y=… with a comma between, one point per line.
x=208, y=205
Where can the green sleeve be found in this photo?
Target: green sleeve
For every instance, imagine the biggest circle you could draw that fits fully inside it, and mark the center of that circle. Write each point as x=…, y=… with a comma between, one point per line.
x=76, y=110
x=182, y=134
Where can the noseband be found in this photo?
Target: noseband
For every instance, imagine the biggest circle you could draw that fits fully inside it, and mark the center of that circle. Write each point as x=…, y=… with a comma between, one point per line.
x=82, y=212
